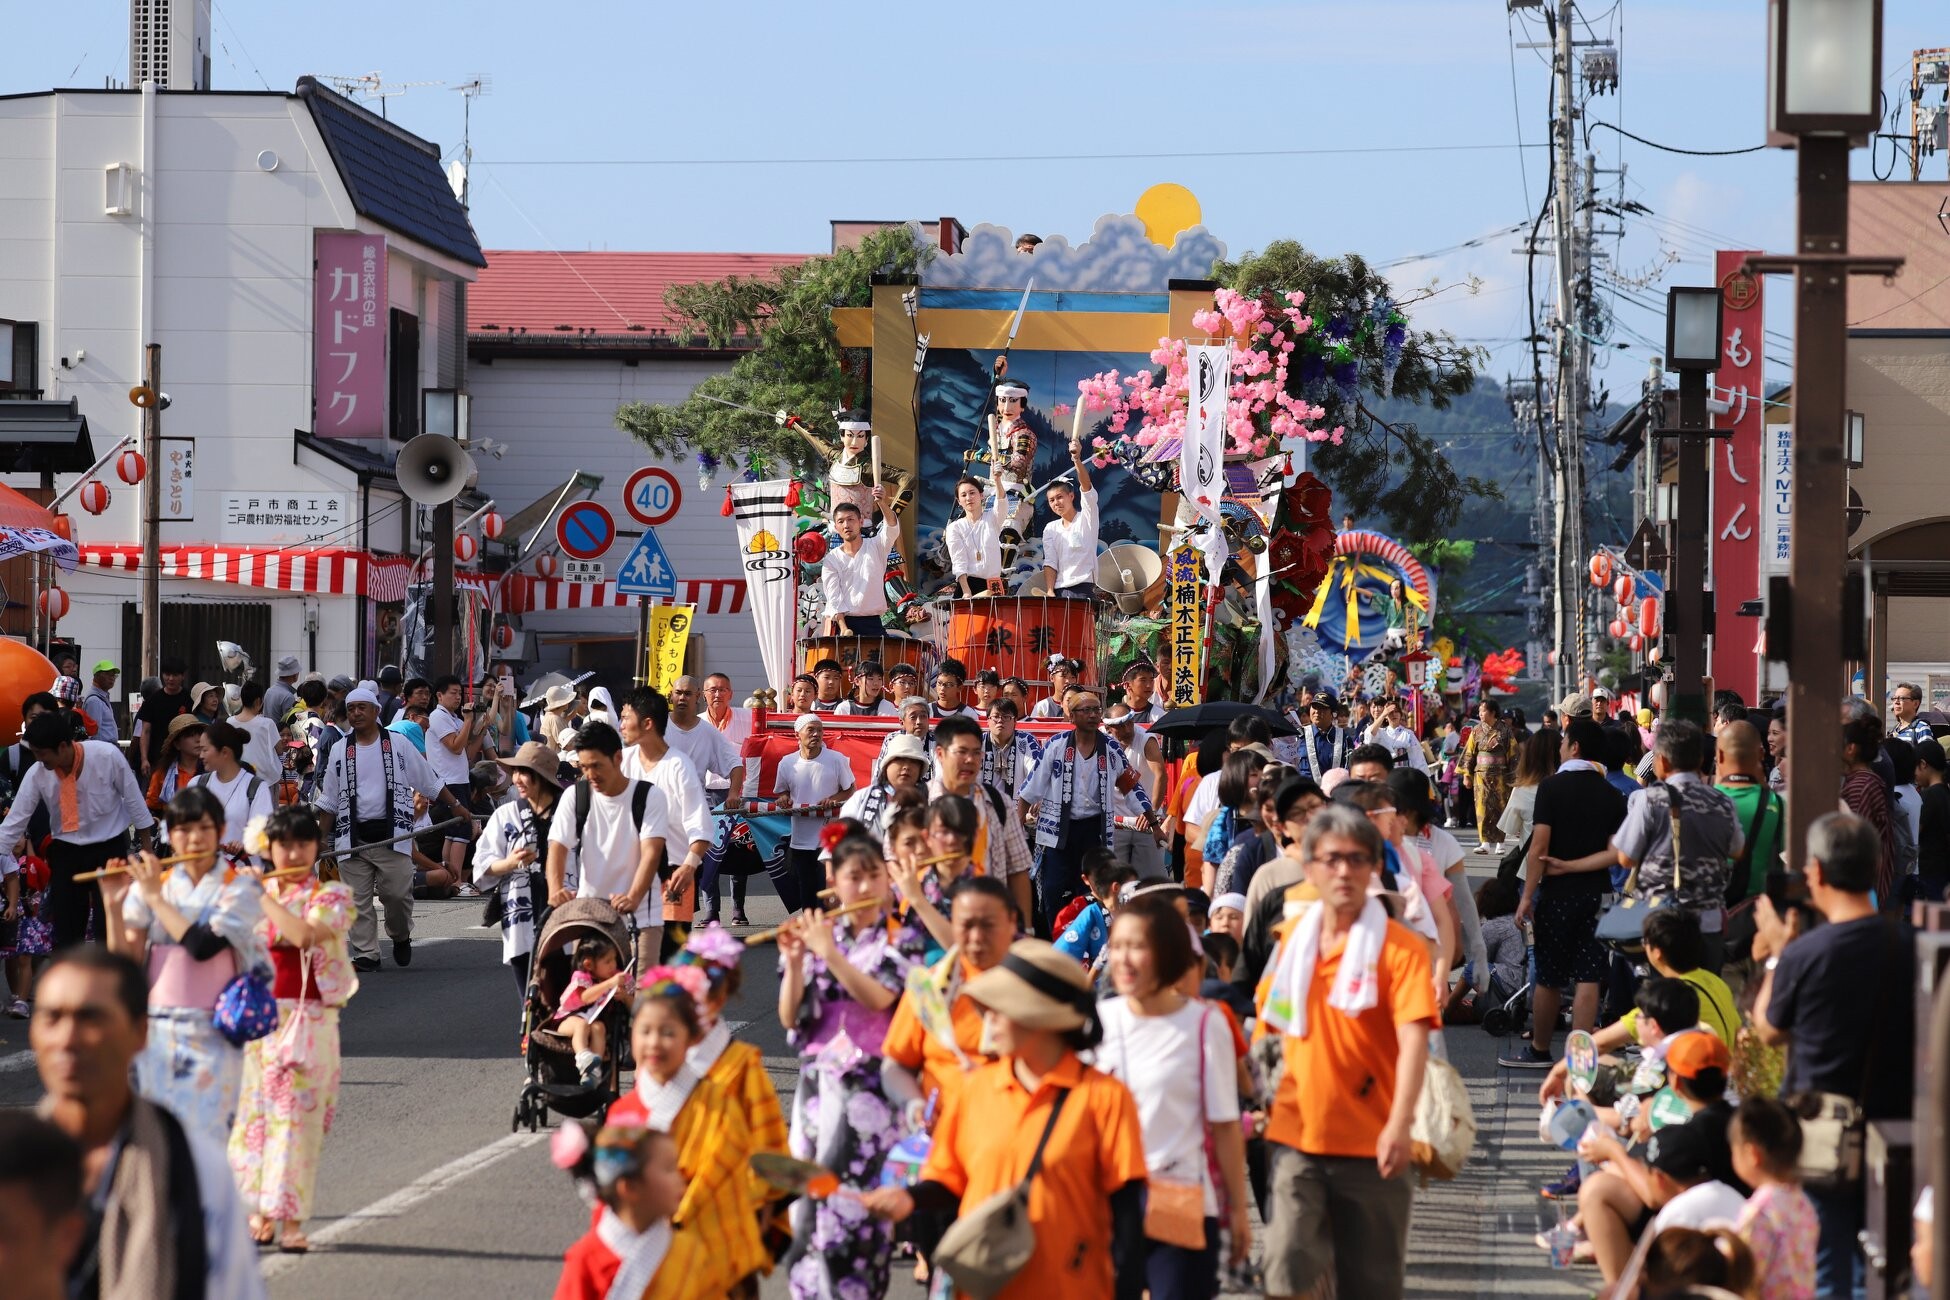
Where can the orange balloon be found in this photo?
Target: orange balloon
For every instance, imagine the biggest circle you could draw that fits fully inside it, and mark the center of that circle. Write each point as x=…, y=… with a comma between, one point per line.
x=23, y=671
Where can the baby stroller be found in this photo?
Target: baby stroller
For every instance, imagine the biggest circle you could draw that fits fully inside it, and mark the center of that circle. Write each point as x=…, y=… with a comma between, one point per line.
x=553, y=1081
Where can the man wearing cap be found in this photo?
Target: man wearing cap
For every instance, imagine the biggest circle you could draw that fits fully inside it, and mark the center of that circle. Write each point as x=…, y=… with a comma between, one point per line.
x=1602, y=703
x=1575, y=705
x=389, y=699
x=1065, y=674
x=97, y=704
x=829, y=685
x=365, y=798
x=1070, y=539
x=1323, y=746
x=1083, y=783
x=903, y=766
x=869, y=698
x=1141, y=693
x=281, y=694
x=813, y=782
x=92, y=803
x=158, y=709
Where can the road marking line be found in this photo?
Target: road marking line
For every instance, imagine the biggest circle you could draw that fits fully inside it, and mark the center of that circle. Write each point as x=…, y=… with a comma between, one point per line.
x=421, y=1189
x=16, y=1061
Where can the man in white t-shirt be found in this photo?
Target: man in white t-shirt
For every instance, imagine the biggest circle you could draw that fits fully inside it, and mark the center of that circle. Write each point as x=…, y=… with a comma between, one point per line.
x=1070, y=539
x=610, y=829
x=453, y=736
x=644, y=716
x=816, y=778
x=365, y=797
x=690, y=731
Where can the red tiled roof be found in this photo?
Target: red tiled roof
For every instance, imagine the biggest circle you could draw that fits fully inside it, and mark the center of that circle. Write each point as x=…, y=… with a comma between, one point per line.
x=595, y=293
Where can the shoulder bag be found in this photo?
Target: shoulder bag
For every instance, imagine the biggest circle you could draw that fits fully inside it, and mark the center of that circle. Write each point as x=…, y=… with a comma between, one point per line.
x=985, y=1247
x=1833, y=1126
x=1623, y=925
x=1174, y=1208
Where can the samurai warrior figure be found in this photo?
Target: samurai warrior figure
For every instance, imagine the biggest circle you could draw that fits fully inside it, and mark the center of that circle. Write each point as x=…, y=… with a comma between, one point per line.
x=1012, y=454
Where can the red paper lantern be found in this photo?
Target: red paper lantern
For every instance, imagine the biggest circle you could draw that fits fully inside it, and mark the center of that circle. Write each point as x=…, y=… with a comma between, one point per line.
x=465, y=547
x=1600, y=569
x=130, y=467
x=810, y=546
x=1637, y=643
x=491, y=526
x=1654, y=655
x=504, y=636
x=545, y=565
x=1649, y=616
x=94, y=496
x=54, y=603
x=1623, y=589
x=1617, y=628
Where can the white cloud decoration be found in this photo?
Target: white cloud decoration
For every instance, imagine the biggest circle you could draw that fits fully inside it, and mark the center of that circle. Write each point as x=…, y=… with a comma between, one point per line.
x=1117, y=258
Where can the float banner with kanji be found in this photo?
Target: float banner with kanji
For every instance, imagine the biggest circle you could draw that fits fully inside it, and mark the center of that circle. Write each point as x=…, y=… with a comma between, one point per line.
x=1186, y=601
x=670, y=634
x=348, y=336
x=1739, y=469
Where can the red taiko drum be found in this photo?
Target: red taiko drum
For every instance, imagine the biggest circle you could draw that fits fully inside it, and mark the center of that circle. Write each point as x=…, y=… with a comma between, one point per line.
x=850, y=650
x=1016, y=635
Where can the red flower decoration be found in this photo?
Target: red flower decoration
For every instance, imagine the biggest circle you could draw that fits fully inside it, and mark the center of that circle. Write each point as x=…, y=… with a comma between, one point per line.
x=831, y=834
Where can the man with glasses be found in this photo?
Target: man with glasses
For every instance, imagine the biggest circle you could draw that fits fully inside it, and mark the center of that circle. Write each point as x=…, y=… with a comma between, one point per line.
x=1339, y=1154
x=1904, y=724
x=1084, y=781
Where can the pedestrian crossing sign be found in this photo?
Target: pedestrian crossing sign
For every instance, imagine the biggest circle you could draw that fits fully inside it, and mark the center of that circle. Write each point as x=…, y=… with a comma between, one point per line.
x=647, y=571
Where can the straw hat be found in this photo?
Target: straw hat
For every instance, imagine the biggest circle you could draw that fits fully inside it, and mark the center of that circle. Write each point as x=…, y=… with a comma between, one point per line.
x=196, y=694
x=559, y=698
x=536, y=759
x=1037, y=986
x=181, y=723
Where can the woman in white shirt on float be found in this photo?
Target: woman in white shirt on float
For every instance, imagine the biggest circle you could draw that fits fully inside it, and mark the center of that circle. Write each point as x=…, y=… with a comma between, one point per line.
x=1194, y=1148
x=975, y=540
x=1070, y=539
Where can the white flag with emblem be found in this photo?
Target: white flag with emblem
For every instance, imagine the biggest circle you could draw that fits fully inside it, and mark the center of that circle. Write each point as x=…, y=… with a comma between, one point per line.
x=1201, y=460
x=765, y=536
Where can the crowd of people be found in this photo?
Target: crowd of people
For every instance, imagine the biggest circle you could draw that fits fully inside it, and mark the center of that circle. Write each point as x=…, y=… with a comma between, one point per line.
x=1003, y=954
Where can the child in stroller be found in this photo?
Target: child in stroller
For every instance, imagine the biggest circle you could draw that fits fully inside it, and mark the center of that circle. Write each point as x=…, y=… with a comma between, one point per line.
x=575, y=1035
x=596, y=982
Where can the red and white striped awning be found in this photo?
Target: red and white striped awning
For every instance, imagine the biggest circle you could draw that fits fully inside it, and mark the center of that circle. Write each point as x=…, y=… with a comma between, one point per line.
x=321, y=572
x=710, y=595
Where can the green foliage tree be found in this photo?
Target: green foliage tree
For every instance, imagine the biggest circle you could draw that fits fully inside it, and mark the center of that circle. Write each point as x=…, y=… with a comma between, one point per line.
x=1384, y=471
x=797, y=366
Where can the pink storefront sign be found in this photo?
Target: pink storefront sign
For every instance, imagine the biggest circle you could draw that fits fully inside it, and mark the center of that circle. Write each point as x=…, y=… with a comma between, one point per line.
x=349, y=336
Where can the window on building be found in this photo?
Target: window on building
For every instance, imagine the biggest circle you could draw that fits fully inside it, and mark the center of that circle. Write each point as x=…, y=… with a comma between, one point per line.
x=404, y=358
x=18, y=345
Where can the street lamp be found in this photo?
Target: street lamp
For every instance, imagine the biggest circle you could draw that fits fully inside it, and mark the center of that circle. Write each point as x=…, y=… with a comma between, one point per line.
x=1693, y=334
x=1824, y=68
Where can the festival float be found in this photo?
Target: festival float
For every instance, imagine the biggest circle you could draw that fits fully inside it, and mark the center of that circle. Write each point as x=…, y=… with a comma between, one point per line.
x=1189, y=407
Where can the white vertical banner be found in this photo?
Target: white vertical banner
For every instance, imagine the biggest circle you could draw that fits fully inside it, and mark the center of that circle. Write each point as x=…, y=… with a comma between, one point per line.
x=765, y=534
x=1201, y=459
x=1776, y=498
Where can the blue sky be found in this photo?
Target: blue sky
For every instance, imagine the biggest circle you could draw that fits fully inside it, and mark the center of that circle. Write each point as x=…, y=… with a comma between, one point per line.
x=1091, y=102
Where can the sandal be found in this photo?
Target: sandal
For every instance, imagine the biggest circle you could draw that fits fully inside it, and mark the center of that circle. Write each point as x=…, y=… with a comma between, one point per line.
x=263, y=1230
x=294, y=1242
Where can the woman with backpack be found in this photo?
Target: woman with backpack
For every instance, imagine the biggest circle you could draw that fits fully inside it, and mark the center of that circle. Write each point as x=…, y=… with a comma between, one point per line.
x=246, y=797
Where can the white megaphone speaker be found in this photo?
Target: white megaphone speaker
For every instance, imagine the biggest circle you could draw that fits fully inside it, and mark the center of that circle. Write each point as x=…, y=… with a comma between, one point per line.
x=1127, y=572
x=433, y=469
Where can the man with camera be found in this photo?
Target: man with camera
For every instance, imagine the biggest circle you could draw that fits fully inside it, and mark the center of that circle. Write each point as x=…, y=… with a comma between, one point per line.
x=365, y=799
x=1839, y=991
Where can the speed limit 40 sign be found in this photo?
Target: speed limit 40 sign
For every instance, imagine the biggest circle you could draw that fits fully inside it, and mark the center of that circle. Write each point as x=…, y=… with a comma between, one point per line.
x=652, y=496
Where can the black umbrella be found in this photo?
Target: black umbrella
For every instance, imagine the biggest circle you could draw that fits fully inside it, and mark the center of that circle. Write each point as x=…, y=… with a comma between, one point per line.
x=1217, y=716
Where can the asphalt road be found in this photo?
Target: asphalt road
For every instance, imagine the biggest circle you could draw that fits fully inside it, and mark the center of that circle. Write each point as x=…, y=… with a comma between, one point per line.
x=424, y=1189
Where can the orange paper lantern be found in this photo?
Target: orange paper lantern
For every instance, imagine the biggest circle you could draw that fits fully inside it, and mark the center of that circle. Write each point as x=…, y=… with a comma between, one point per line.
x=545, y=566
x=1618, y=628
x=1623, y=589
x=130, y=467
x=1649, y=616
x=54, y=603
x=94, y=496
x=1600, y=569
x=504, y=636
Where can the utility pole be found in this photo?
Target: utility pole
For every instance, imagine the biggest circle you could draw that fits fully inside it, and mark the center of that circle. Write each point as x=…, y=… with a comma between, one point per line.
x=1566, y=487
x=152, y=514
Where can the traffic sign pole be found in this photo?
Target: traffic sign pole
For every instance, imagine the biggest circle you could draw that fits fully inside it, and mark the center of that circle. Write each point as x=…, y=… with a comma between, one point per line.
x=642, y=640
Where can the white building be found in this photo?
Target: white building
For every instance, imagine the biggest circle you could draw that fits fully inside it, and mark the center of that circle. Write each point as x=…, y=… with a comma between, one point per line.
x=556, y=342
x=193, y=219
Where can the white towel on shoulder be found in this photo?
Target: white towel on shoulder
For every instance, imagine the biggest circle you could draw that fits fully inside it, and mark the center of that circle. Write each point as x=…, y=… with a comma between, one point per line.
x=1356, y=986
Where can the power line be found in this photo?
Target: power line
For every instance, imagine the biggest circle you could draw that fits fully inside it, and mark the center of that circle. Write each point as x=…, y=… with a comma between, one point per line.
x=998, y=158
x=1668, y=148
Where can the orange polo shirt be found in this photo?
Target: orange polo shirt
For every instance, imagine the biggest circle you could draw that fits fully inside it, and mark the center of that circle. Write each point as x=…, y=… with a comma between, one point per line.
x=983, y=1143
x=914, y=1047
x=1333, y=1099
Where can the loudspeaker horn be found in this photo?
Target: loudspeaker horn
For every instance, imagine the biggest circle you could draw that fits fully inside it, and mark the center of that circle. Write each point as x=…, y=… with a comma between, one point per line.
x=433, y=469
x=1128, y=573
